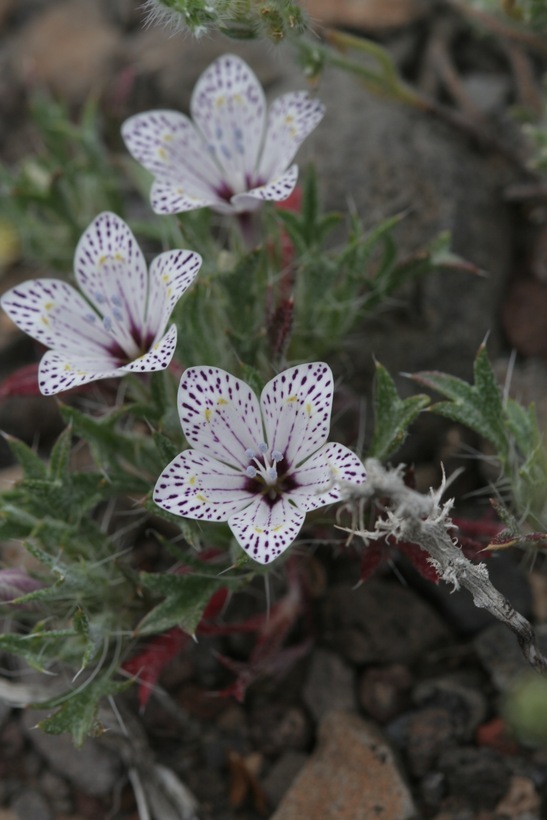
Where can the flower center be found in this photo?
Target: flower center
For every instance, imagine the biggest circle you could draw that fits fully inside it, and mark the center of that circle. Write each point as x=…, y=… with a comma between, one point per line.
x=263, y=464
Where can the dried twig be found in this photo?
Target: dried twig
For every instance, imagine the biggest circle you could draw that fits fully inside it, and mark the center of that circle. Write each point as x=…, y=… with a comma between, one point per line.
x=424, y=520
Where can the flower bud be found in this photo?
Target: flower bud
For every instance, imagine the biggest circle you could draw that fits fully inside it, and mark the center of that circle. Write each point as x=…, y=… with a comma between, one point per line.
x=240, y=19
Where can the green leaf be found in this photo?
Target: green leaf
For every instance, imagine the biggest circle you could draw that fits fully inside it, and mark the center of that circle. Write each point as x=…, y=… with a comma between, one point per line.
x=82, y=627
x=60, y=455
x=78, y=714
x=167, y=450
x=478, y=406
x=392, y=415
x=40, y=649
x=523, y=424
x=32, y=464
x=186, y=596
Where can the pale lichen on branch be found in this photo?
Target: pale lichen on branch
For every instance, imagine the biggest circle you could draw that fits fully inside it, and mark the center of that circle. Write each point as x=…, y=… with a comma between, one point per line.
x=424, y=520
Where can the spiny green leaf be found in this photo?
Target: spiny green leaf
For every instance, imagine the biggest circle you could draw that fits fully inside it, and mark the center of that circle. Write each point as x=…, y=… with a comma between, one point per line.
x=78, y=714
x=32, y=464
x=82, y=627
x=186, y=596
x=166, y=448
x=60, y=455
x=478, y=406
x=40, y=649
x=392, y=415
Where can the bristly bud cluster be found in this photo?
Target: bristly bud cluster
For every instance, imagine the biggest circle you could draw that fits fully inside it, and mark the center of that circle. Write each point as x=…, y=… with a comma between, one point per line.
x=274, y=19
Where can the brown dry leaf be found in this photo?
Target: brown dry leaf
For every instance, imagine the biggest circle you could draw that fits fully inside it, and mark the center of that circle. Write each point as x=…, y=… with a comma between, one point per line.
x=244, y=771
x=521, y=800
x=365, y=13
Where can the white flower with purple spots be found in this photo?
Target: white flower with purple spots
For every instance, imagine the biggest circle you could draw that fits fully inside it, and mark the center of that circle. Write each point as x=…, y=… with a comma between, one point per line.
x=234, y=155
x=121, y=327
x=260, y=466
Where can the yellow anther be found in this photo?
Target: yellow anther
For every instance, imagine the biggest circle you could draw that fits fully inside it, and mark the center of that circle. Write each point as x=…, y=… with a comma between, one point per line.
x=207, y=413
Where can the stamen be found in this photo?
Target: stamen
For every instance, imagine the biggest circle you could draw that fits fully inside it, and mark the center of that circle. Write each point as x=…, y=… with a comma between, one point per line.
x=264, y=463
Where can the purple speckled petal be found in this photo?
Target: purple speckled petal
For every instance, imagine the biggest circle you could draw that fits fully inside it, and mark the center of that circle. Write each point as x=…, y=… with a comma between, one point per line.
x=264, y=530
x=55, y=314
x=168, y=145
x=59, y=371
x=277, y=190
x=169, y=196
x=318, y=478
x=290, y=119
x=219, y=414
x=296, y=406
x=229, y=108
x=171, y=274
x=111, y=271
x=196, y=486
x=158, y=357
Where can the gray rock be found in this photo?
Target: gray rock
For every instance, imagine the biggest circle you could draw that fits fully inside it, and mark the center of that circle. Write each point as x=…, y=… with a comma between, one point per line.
x=31, y=805
x=384, y=691
x=429, y=731
x=388, y=159
x=476, y=776
x=329, y=685
x=487, y=92
x=281, y=775
x=466, y=705
x=380, y=622
x=94, y=768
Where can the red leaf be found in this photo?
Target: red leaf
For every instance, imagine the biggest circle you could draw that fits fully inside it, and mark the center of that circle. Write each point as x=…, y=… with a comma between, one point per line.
x=268, y=657
x=148, y=664
x=23, y=382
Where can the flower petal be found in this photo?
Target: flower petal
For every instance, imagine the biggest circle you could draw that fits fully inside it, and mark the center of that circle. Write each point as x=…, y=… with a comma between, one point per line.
x=196, y=486
x=290, y=119
x=265, y=530
x=229, y=108
x=296, y=406
x=157, y=358
x=168, y=145
x=58, y=372
x=318, y=478
x=277, y=190
x=171, y=274
x=55, y=314
x=219, y=414
x=111, y=270
x=172, y=197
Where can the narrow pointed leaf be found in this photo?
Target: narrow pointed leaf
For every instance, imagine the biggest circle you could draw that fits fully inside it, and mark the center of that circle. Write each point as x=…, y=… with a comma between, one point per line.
x=186, y=597
x=392, y=415
x=478, y=406
x=78, y=715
